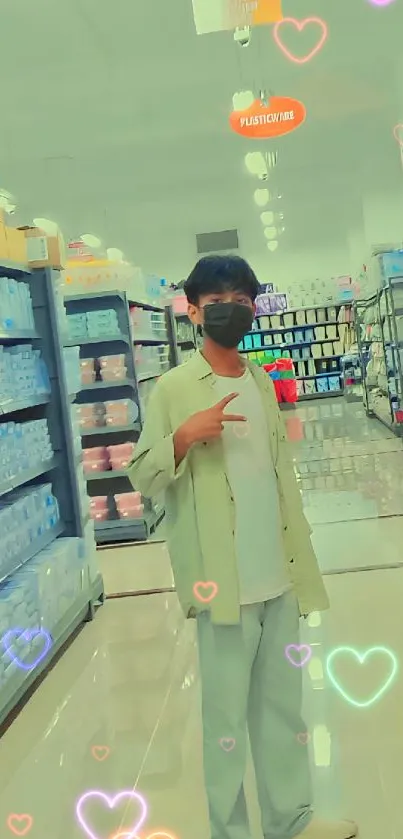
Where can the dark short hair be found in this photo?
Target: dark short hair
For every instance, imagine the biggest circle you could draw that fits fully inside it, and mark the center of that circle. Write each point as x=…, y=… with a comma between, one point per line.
x=219, y=274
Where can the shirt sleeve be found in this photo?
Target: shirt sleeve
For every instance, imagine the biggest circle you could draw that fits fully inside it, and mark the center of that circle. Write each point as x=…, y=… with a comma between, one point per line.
x=153, y=466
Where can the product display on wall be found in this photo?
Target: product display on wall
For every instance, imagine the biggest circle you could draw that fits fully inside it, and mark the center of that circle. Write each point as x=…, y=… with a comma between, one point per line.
x=49, y=580
x=315, y=339
x=123, y=347
x=380, y=342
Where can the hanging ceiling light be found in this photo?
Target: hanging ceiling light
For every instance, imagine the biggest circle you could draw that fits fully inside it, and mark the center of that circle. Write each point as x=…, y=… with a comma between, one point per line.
x=270, y=232
x=90, y=240
x=262, y=197
x=7, y=201
x=273, y=245
x=242, y=100
x=47, y=225
x=255, y=163
x=267, y=218
x=114, y=254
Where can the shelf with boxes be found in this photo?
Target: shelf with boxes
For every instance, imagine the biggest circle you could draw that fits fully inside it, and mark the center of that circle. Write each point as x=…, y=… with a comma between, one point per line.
x=315, y=339
x=380, y=344
x=49, y=579
x=122, y=347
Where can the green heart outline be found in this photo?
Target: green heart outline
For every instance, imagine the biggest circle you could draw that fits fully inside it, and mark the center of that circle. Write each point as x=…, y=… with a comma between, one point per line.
x=361, y=658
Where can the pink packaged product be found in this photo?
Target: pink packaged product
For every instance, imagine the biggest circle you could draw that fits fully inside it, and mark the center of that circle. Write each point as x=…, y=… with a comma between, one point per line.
x=112, y=361
x=120, y=412
x=99, y=508
x=101, y=465
x=109, y=374
x=88, y=377
x=96, y=453
x=87, y=365
x=128, y=505
x=121, y=455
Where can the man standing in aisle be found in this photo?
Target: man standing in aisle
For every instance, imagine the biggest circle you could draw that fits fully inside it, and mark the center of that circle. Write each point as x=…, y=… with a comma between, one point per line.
x=241, y=555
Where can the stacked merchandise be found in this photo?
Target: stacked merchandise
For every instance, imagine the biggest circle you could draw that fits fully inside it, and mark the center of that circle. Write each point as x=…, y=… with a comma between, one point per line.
x=352, y=375
x=282, y=373
x=380, y=343
x=315, y=339
x=122, y=348
x=48, y=575
x=151, y=343
x=186, y=337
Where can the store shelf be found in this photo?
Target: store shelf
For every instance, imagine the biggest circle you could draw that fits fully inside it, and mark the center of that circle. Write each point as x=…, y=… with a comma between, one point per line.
x=28, y=475
x=101, y=339
x=106, y=385
x=117, y=481
x=38, y=544
x=149, y=376
x=21, y=335
x=320, y=375
x=22, y=681
x=13, y=269
x=327, y=394
x=150, y=341
x=122, y=530
x=298, y=328
x=147, y=306
x=110, y=429
x=11, y=406
x=111, y=474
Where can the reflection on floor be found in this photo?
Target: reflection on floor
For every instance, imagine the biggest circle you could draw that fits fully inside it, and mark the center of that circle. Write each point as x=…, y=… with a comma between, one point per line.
x=120, y=710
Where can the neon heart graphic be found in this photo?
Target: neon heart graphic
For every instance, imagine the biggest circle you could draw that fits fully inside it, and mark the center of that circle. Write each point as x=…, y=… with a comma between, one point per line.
x=304, y=652
x=100, y=752
x=20, y=824
x=213, y=587
x=227, y=743
x=111, y=802
x=300, y=26
x=398, y=134
x=361, y=658
x=241, y=429
x=28, y=635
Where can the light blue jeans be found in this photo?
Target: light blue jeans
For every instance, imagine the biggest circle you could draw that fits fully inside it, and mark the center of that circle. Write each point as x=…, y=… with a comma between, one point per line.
x=248, y=683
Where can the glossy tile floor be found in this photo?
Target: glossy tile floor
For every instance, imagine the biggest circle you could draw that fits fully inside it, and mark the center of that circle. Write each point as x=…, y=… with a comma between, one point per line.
x=120, y=710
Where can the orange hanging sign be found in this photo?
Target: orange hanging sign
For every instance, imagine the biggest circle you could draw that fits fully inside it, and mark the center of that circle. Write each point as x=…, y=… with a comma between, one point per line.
x=259, y=122
x=226, y=15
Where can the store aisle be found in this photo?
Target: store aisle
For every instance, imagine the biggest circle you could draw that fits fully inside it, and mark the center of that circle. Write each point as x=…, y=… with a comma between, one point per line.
x=120, y=710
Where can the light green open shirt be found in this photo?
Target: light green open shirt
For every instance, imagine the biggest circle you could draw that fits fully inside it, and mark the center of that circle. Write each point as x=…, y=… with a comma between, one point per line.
x=200, y=510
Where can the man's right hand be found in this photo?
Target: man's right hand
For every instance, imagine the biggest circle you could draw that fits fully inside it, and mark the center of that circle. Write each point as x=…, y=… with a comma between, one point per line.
x=204, y=426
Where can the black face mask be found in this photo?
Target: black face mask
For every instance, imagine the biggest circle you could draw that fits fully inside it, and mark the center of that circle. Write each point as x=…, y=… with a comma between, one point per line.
x=227, y=323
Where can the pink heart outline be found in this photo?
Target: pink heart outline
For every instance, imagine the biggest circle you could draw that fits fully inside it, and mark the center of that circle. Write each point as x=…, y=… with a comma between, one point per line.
x=208, y=584
x=227, y=740
x=111, y=801
x=300, y=25
x=298, y=648
x=20, y=817
x=96, y=752
x=396, y=129
x=303, y=737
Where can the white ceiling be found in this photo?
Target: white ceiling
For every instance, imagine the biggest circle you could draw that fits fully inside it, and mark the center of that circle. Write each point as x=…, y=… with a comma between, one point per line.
x=115, y=122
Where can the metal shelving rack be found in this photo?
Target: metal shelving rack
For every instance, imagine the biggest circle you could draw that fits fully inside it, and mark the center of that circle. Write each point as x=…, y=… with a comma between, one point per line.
x=60, y=470
x=268, y=348
x=386, y=391
x=116, y=530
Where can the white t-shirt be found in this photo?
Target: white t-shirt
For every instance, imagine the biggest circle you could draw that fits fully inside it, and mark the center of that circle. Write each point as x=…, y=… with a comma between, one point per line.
x=250, y=472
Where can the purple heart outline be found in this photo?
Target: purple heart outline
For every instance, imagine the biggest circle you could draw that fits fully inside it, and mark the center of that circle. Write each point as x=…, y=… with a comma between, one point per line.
x=28, y=635
x=111, y=801
x=298, y=648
